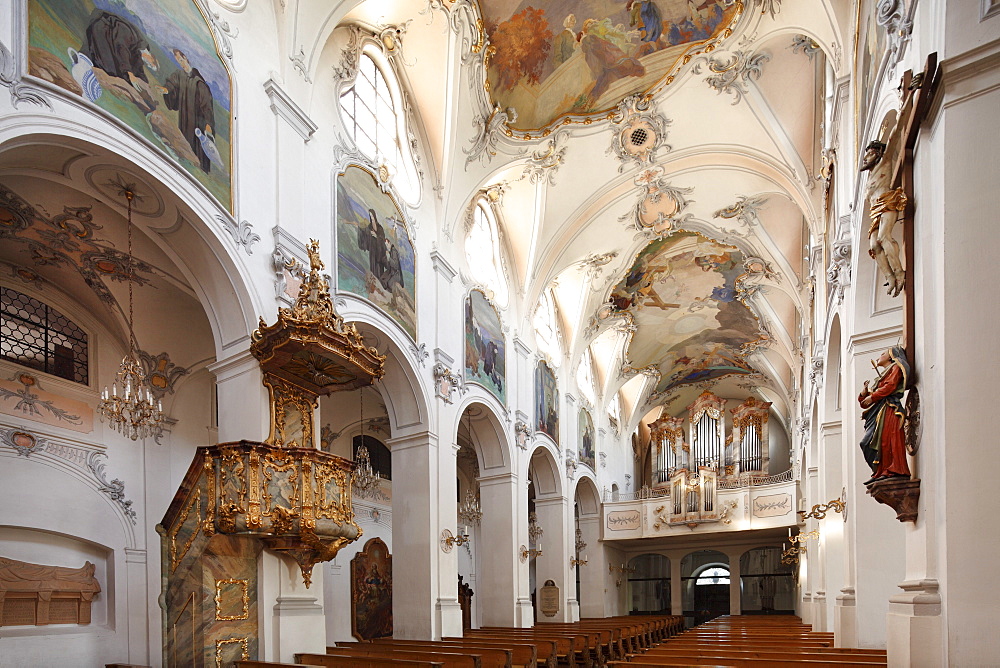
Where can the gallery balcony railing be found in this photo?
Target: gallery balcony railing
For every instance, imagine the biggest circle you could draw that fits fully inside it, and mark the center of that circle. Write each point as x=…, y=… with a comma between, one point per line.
x=740, y=481
x=702, y=501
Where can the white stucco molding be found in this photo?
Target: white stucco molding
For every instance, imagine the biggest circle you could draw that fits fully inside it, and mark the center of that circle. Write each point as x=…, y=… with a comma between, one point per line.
x=284, y=107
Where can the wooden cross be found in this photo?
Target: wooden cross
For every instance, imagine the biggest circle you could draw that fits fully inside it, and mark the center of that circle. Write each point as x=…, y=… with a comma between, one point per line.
x=918, y=93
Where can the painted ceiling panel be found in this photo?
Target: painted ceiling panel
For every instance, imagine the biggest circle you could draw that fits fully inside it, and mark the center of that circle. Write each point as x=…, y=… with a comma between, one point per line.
x=580, y=57
x=683, y=294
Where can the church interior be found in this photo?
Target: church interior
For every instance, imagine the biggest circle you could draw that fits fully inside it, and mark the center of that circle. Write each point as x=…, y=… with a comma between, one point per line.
x=324, y=322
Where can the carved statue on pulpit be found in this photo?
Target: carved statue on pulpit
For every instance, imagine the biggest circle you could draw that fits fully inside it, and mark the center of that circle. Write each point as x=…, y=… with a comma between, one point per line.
x=884, y=441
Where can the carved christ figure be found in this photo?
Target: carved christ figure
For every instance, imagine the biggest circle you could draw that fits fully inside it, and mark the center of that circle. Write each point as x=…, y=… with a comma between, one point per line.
x=886, y=204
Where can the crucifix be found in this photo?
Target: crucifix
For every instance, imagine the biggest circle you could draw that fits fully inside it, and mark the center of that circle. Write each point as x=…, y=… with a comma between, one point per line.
x=890, y=190
x=889, y=436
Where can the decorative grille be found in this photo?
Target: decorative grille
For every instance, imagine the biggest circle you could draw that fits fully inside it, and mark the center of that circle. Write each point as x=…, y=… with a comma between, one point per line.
x=37, y=336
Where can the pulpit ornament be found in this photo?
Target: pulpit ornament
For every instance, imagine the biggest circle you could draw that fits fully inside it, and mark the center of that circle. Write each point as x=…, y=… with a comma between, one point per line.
x=310, y=351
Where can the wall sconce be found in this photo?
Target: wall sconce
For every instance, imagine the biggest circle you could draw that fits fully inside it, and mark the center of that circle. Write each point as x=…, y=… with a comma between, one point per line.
x=524, y=553
x=791, y=555
x=820, y=510
x=620, y=569
x=577, y=562
x=801, y=538
x=449, y=540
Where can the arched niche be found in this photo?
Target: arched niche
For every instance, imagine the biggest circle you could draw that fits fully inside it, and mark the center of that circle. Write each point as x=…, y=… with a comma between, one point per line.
x=480, y=423
x=705, y=597
x=649, y=584
x=173, y=216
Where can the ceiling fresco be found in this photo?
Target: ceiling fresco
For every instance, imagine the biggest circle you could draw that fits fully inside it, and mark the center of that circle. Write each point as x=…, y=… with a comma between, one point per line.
x=70, y=239
x=581, y=57
x=683, y=297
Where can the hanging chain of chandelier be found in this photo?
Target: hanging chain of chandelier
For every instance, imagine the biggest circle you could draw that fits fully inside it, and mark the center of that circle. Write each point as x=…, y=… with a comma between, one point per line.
x=130, y=407
x=364, y=479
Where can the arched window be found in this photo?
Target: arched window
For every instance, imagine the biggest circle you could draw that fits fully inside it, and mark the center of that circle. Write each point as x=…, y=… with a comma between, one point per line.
x=37, y=336
x=615, y=410
x=585, y=377
x=378, y=454
x=546, y=332
x=716, y=575
x=482, y=251
x=371, y=110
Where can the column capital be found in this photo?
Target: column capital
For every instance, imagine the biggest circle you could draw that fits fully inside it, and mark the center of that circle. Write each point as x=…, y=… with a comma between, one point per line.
x=414, y=440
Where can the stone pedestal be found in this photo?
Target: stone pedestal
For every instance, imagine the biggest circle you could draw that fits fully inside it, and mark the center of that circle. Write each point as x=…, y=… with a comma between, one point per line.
x=914, y=625
x=845, y=632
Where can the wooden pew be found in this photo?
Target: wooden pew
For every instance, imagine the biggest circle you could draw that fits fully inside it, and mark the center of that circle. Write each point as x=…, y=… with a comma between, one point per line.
x=342, y=662
x=486, y=657
x=785, y=654
x=448, y=659
x=749, y=642
x=643, y=662
x=574, y=646
x=520, y=655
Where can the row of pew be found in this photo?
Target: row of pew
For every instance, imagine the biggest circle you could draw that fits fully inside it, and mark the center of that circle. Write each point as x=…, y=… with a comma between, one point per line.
x=589, y=643
x=779, y=641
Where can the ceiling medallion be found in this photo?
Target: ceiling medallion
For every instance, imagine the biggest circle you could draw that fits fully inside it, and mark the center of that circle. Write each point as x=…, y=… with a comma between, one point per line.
x=641, y=133
x=660, y=204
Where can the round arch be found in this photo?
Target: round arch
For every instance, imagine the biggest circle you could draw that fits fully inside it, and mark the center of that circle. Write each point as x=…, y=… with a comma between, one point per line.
x=489, y=438
x=402, y=390
x=213, y=269
x=587, y=496
x=543, y=469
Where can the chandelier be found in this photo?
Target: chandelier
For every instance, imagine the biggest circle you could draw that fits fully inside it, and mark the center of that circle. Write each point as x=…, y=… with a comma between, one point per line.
x=133, y=413
x=470, y=512
x=364, y=480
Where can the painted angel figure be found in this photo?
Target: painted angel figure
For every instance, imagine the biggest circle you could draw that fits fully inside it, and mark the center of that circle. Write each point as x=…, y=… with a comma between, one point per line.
x=884, y=441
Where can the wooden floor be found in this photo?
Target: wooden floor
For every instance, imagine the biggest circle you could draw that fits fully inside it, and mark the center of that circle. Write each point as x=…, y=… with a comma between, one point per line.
x=755, y=641
x=777, y=641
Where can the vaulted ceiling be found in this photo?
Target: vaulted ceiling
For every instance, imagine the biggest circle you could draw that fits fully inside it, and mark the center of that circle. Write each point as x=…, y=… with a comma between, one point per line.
x=663, y=186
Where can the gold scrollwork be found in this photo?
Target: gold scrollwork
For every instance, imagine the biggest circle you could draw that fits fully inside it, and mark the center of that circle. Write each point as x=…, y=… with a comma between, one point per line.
x=278, y=463
x=328, y=506
x=232, y=468
x=208, y=524
x=244, y=646
x=820, y=510
x=175, y=557
x=245, y=598
x=282, y=520
x=254, y=520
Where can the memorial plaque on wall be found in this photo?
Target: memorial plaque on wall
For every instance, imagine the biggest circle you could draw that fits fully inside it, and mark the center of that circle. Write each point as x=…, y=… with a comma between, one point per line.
x=548, y=599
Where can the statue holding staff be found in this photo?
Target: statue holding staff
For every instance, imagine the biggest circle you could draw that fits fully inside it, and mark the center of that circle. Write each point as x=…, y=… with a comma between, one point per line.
x=884, y=441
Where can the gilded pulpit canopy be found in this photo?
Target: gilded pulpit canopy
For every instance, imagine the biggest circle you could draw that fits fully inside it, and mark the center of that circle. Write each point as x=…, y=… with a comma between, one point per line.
x=310, y=352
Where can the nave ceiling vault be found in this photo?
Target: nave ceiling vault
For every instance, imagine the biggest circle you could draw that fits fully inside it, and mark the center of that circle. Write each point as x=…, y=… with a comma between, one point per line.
x=733, y=159
x=736, y=161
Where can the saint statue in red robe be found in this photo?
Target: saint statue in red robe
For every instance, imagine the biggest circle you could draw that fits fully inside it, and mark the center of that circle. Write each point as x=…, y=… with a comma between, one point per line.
x=884, y=444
